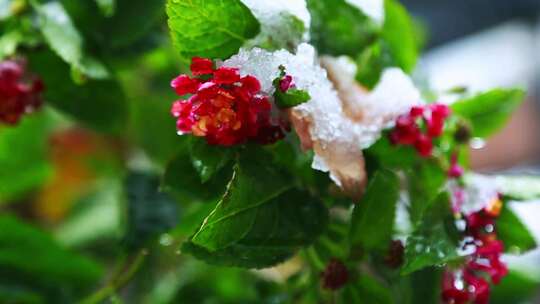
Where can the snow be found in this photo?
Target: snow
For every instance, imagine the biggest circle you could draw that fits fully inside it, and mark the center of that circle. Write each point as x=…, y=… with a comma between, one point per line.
x=337, y=138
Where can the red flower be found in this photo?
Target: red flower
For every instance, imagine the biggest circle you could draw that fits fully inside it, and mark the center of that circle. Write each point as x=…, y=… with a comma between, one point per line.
x=225, y=108
x=408, y=129
x=286, y=83
x=485, y=261
x=454, y=290
x=464, y=288
x=19, y=93
x=478, y=287
x=488, y=259
x=335, y=276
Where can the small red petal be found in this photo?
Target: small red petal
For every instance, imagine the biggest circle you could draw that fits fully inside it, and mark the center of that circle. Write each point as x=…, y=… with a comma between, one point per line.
x=207, y=90
x=226, y=75
x=201, y=66
x=440, y=110
x=435, y=126
x=181, y=108
x=424, y=145
x=286, y=83
x=455, y=171
x=404, y=121
x=251, y=84
x=183, y=85
x=416, y=111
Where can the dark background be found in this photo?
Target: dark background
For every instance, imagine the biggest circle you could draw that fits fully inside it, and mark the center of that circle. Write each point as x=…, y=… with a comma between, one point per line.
x=451, y=19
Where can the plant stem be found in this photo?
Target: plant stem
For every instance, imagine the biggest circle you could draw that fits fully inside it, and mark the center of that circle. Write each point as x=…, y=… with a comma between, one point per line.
x=118, y=281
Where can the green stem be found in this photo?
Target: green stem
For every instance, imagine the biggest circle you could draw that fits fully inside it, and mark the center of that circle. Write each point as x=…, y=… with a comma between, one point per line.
x=118, y=281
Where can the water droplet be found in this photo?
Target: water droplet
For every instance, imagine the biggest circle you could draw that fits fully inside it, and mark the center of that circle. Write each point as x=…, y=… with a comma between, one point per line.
x=461, y=225
x=478, y=143
x=166, y=239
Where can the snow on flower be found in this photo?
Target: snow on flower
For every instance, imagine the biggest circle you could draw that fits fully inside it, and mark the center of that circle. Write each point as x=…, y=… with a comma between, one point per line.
x=336, y=124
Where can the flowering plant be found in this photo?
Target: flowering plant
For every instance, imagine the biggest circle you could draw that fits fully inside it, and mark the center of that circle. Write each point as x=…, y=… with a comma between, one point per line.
x=287, y=137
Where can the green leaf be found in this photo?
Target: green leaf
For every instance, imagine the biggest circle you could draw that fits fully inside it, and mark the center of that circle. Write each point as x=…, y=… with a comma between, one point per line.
x=391, y=156
x=519, y=188
x=433, y=242
x=366, y=290
x=62, y=36
x=183, y=181
x=488, y=112
x=107, y=7
x=400, y=35
x=132, y=20
x=9, y=42
x=372, y=221
x=291, y=98
x=212, y=29
x=271, y=233
x=30, y=255
x=430, y=279
x=24, y=157
x=208, y=160
x=515, y=235
x=13, y=293
x=338, y=28
x=371, y=63
x=334, y=243
x=514, y=288
x=100, y=104
x=255, y=182
x=149, y=212
x=425, y=181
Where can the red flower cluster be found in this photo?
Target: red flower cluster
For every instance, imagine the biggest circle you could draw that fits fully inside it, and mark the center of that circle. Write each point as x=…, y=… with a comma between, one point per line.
x=471, y=284
x=19, y=93
x=335, y=275
x=224, y=108
x=410, y=130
